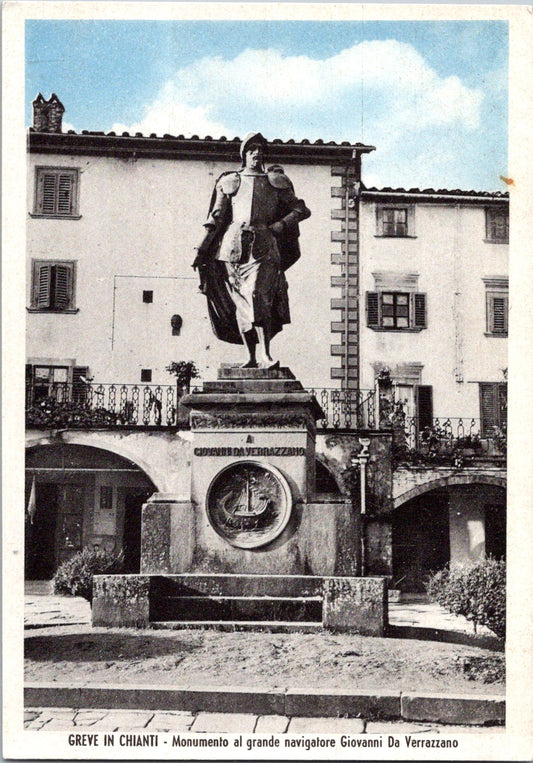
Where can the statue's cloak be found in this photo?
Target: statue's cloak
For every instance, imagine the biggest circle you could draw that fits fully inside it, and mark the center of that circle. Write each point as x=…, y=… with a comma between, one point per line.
x=213, y=274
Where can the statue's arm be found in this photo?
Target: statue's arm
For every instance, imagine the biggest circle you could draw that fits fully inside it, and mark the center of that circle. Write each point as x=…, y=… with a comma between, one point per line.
x=212, y=226
x=294, y=211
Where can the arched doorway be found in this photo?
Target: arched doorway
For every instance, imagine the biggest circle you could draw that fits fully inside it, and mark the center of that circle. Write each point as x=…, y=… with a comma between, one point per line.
x=456, y=523
x=79, y=496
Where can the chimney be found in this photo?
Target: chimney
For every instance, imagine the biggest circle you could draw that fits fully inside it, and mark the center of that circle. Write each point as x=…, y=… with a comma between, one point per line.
x=40, y=118
x=47, y=115
x=55, y=113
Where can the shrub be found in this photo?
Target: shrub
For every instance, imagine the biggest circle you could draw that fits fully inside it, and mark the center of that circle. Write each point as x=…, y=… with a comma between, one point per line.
x=75, y=576
x=476, y=591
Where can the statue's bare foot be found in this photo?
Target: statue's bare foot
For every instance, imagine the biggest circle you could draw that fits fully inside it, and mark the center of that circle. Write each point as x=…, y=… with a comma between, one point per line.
x=250, y=364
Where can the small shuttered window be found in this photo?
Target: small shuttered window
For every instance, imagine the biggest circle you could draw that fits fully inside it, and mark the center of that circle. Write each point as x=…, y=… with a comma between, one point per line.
x=395, y=220
x=497, y=225
x=53, y=285
x=396, y=311
x=56, y=192
x=493, y=406
x=497, y=313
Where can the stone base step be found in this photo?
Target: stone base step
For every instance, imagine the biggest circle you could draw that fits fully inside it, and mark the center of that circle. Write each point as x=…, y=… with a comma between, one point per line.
x=235, y=585
x=230, y=626
x=253, y=385
x=234, y=371
x=237, y=608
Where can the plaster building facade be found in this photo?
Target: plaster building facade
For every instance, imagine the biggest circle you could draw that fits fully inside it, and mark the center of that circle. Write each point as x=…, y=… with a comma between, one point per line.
x=412, y=284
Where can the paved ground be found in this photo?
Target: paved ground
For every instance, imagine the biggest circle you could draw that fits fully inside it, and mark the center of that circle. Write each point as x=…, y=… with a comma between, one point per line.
x=146, y=721
x=43, y=609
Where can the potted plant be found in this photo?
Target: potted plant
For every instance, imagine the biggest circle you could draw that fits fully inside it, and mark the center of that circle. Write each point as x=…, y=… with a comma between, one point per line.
x=469, y=444
x=184, y=371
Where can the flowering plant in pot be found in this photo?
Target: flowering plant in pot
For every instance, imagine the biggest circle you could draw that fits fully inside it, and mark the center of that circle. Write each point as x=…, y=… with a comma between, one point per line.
x=184, y=371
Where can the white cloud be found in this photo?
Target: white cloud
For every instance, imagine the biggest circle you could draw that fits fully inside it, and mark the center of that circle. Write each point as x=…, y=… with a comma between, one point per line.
x=393, y=72
x=385, y=87
x=168, y=115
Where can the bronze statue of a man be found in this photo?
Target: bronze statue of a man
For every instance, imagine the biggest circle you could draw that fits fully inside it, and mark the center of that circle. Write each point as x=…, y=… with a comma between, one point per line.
x=251, y=239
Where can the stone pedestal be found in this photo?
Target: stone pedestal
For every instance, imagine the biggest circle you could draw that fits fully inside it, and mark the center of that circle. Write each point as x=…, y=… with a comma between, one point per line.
x=251, y=422
x=252, y=543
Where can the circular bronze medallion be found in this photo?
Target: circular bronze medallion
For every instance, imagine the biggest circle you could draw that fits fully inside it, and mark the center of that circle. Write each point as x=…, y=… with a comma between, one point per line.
x=249, y=503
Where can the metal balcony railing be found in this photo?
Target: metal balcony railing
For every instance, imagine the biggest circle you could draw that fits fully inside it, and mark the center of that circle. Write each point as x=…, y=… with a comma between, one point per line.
x=346, y=408
x=451, y=437
x=100, y=405
x=91, y=405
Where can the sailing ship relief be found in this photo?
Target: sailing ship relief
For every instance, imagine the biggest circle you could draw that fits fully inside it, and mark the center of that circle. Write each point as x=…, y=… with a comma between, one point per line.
x=246, y=502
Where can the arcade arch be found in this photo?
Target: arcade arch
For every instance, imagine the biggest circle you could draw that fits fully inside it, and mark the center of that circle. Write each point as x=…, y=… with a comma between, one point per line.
x=78, y=496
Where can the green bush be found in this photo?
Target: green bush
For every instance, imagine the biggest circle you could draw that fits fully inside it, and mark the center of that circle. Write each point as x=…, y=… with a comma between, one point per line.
x=476, y=591
x=75, y=576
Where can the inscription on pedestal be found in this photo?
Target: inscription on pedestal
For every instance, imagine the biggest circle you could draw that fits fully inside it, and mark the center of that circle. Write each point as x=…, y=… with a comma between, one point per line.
x=250, y=452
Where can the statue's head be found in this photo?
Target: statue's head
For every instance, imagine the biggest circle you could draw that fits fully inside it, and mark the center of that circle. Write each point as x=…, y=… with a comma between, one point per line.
x=253, y=149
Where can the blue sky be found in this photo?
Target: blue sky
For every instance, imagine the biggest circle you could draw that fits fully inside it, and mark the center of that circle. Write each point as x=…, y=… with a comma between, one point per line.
x=431, y=96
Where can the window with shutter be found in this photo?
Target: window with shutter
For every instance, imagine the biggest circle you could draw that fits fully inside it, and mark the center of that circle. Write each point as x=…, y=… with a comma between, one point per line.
x=497, y=300
x=396, y=310
x=493, y=406
x=396, y=221
x=53, y=285
x=56, y=192
x=497, y=225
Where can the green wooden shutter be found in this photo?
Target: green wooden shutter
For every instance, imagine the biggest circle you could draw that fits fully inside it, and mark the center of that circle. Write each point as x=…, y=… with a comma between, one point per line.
x=499, y=314
x=43, y=280
x=420, y=317
x=79, y=387
x=372, y=309
x=64, y=194
x=63, y=286
x=48, y=193
x=502, y=404
x=489, y=407
x=424, y=406
x=29, y=384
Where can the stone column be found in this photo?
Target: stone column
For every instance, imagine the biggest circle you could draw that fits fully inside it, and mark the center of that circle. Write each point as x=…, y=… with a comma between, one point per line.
x=167, y=536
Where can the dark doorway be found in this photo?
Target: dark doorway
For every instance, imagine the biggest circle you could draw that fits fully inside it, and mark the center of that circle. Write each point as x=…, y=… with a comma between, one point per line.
x=69, y=536
x=495, y=531
x=41, y=534
x=133, y=502
x=420, y=540
x=324, y=480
